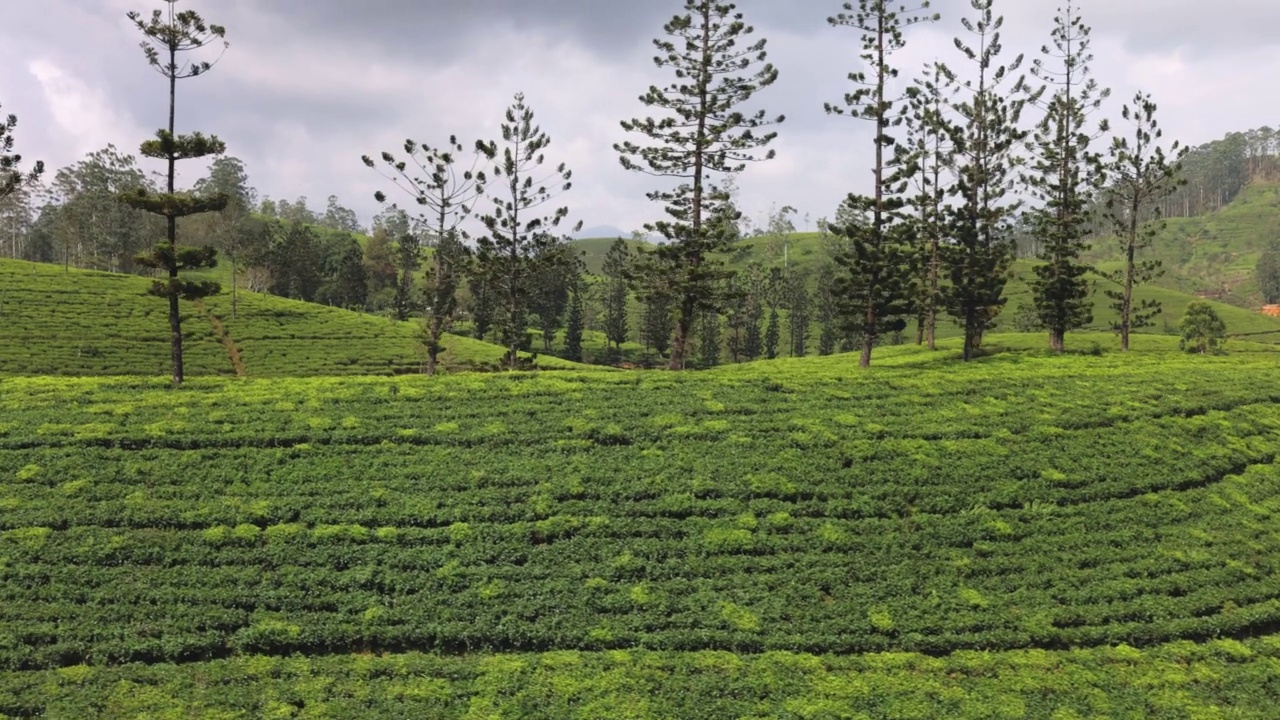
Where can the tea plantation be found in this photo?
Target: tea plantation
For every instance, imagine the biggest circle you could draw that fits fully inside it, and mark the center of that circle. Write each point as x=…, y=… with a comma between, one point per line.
x=78, y=322
x=1022, y=537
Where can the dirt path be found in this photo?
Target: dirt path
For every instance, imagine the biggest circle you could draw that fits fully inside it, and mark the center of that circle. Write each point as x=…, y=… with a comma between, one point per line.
x=224, y=337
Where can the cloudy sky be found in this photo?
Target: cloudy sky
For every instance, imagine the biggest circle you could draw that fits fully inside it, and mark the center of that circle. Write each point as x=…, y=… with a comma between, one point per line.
x=308, y=86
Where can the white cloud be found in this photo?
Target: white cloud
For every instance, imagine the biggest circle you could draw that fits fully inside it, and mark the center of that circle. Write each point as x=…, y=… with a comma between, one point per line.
x=83, y=113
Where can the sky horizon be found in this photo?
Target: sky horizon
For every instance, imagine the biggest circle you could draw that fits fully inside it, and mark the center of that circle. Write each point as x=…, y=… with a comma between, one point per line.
x=308, y=87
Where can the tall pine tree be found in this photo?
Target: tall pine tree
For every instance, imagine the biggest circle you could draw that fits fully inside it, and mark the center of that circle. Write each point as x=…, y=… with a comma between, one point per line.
x=1065, y=176
x=1141, y=174
x=446, y=193
x=616, y=269
x=987, y=138
x=932, y=152
x=705, y=131
x=168, y=33
x=508, y=255
x=877, y=286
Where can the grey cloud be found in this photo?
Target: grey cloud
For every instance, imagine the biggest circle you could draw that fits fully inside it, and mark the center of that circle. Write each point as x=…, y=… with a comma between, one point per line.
x=310, y=85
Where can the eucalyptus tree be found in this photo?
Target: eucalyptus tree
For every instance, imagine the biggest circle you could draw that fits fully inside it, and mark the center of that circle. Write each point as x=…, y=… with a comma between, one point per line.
x=877, y=285
x=447, y=193
x=233, y=230
x=1141, y=175
x=510, y=252
x=703, y=131
x=168, y=33
x=1065, y=176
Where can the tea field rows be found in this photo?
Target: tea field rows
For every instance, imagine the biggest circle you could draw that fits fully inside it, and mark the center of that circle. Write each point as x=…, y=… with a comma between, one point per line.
x=1026, y=536
x=80, y=322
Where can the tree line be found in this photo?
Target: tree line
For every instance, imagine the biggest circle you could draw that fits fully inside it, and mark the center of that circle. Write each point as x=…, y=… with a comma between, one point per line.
x=972, y=156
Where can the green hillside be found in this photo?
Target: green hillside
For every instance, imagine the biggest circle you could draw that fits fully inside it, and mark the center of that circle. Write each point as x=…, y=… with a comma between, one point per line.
x=95, y=323
x=1026, y=536
x=805, y=250
x=1217, y=251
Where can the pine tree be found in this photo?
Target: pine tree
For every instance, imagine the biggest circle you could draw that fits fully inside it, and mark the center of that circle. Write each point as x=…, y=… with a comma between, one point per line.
x=483, y=304
x=978, y=261
x=1065, y=175
x=877, y=288
x=932, y=152
x=825, y=299
x=446, y=196
x=709, y=339
x=616, y=269
x=574, y=323
x=772, y=334
x=408, y=260
x=798, y=318
x=507, y=254
x=11, y=178
x=554, y=271
x=705, y=132
x=167, y=34
x=1141, y=175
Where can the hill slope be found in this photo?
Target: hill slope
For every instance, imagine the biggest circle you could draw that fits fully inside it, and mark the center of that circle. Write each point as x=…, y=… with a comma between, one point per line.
x=94, y=323
x=804, y=251
x=1217, y=251
x=1019, y=537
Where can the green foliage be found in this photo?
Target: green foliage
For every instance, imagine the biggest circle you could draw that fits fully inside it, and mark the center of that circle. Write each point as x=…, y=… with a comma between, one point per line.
x=727, y=544
x=574, y=324
x=1202, y=330
x=1065, y=176
x=1268, y=273
x=704, y=133
x=617, y=270
x=166, y=35
x=11, y=178
x=518, y=243
x=1141, y=175
x=97, y=323
x=986, y=136
x=876, y=287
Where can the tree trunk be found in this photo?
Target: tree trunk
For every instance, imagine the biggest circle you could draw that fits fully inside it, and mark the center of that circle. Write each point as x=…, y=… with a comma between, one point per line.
x=1126, y=313
x=175, y=318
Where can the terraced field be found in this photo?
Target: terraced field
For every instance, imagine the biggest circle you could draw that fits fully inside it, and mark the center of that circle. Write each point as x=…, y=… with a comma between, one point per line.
x=94, y=323
x=1027, y=536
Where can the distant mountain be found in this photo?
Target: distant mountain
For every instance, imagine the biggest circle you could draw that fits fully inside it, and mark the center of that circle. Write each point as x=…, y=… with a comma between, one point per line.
x=601, y=231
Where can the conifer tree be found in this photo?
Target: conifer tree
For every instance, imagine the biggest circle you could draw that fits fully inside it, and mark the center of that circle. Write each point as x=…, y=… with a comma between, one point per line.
x=825, y=299
x=11, y=178
x=168, y=33
x=446, y=195
x=798, y=306
x=979, y=259
x=508, y=254
x=931, y=151
x=1141, y=175
x=1065, y=175
x=709, y=339
x=574, y=323
x=876, y=289
x=408, y=260
x=616, y=269
x=705, y=132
